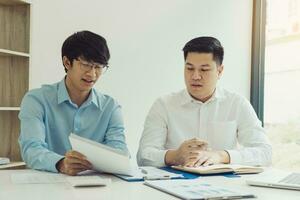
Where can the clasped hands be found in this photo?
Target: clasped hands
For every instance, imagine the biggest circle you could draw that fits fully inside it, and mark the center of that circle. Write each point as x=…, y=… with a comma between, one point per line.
x=195, y=153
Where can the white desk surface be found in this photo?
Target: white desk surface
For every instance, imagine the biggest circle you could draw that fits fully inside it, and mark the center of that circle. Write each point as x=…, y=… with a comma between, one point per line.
x=120, y=190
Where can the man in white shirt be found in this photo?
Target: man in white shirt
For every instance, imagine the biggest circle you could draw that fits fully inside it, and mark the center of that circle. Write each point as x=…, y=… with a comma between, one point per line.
x=203, y=124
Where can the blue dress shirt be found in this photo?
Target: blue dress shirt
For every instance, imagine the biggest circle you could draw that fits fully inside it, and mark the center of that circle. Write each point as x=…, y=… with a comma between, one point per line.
x=48, y=116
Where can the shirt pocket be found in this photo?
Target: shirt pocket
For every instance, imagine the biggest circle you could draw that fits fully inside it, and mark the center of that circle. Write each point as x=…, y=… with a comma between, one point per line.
x=222, y=135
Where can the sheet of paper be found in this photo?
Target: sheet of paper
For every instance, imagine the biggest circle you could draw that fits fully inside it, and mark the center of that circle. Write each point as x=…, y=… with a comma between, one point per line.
x=37, y=178
x=193, y=189
x=85, y=179
x=102, y=157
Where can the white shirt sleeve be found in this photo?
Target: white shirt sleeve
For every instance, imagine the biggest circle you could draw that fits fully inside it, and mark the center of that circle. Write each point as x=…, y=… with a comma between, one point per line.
x=256, y=148
x=152, y=144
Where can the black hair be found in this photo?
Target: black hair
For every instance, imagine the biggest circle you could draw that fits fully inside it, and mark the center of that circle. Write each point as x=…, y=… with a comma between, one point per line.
x=88, y=46
x=205, y=45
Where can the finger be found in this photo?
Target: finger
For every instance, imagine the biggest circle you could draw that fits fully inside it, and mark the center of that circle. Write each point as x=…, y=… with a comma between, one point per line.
x=193, y=149
x=75, y=154
x=76, y=166
x=73, y=169
x=73, y=172
x=197, y=148
x=71, y=160
x=192, y=154
x=197, y=143
x=197, y=140
x=190, y=162
x=201, y=161
x=208, y=162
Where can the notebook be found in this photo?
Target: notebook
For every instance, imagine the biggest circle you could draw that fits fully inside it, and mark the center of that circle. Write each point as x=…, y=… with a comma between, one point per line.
x=194, y=189
x=276, y=179
x=221, y=168
x=102, y=157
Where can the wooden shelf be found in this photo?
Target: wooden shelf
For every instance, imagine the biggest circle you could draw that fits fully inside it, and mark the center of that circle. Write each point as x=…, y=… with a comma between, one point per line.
x=14, y=71
x=14, y=26
x=6, y=52
x=14, y=2
x=9, y=108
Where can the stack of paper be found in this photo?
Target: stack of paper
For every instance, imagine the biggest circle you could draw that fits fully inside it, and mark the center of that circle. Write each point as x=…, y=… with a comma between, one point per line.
x=6, y=164
x=4, y=161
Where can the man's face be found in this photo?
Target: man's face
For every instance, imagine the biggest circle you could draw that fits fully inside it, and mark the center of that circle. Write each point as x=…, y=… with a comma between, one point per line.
x=81, y=77
x=201, y=74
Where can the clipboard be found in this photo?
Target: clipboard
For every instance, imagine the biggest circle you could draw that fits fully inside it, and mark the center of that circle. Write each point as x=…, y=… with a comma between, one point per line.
x=181, y=175
x=173, y=174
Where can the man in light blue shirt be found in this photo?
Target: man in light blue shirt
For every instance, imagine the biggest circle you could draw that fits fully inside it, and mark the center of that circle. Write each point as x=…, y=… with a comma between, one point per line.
x=49, y=114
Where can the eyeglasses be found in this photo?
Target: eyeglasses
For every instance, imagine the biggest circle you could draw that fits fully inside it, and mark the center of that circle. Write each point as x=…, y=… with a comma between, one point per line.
x=87, y=66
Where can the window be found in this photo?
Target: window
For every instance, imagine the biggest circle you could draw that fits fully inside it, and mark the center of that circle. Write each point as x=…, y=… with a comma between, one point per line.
x=277, y=80
x=282, y=82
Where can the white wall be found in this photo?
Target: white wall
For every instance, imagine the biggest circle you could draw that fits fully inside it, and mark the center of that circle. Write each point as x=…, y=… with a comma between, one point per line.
x=145, y=39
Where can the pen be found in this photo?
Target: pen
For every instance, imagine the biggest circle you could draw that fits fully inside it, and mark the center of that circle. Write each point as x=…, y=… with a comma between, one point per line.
x=231, y=197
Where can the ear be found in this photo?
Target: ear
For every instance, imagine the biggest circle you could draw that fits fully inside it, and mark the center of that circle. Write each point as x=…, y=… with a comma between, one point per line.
x=66, y=62
x=220, y=70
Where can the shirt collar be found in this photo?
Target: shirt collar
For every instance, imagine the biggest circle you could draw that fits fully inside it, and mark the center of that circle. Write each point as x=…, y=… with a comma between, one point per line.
x=63, y=95
x=187, y=98
x=93, y=98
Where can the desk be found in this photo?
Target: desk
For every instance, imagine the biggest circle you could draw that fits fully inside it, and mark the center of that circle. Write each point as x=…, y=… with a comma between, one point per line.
x=120, y=190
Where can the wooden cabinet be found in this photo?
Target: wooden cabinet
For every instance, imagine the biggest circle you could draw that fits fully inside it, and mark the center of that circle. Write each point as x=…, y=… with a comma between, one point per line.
x=14, y=71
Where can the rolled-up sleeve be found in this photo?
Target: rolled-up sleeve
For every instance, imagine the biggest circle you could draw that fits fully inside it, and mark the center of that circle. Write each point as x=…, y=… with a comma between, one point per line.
x=34, y=149
x=152, y=143
x=256, y=148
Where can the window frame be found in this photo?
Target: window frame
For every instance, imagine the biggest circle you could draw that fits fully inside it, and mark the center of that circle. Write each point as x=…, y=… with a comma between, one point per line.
x=258, y=57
